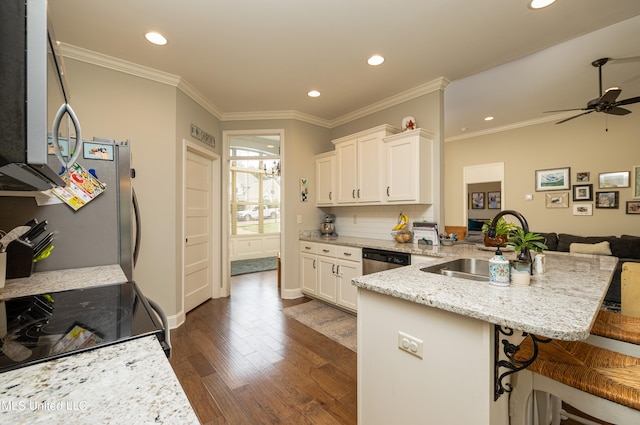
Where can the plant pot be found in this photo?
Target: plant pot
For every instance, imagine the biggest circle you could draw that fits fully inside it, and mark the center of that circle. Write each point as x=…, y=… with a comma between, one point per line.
x=499, y=239
x=520, y=272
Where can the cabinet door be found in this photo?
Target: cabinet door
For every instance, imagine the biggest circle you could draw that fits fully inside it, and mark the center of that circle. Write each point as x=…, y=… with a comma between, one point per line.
x=346, y=172
x=309, y=273
x=327, y=278
x=402, y=170
x=369, y=172
x=324, y=181
x=348, y=293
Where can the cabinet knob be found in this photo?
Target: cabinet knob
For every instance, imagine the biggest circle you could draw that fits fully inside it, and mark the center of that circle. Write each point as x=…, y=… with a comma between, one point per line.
x=314, y=264
x=325, y=250
x=353, y=194
x=388, y=190
x=358, y=193
x=346, y=254
x=330, y=197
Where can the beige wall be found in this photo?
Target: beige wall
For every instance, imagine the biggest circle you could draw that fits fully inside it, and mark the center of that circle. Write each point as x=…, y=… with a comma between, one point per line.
x=155, y=117
x=582, y=144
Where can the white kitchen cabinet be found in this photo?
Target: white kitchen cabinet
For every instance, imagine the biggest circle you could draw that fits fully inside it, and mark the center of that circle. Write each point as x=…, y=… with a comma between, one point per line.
x=409, y=168
x=325, y=171
x=359, y=159
x=330, y=268
x=308, y=268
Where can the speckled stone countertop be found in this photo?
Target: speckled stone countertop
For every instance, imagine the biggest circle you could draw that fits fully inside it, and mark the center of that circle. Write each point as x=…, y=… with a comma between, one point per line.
x=562, y=303
x=131, y=382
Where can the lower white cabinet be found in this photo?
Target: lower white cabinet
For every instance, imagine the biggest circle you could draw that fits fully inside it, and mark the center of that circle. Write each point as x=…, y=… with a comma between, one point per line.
x=326, y=271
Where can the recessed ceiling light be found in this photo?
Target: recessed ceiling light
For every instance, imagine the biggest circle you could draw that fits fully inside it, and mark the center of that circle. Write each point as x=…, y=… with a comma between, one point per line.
x=375, y=60
x=539, y=4
x=156, y=38
x=488, y=118
x=313, y=93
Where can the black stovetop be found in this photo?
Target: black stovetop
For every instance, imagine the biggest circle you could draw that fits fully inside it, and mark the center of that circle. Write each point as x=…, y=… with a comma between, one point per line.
x=41, y=327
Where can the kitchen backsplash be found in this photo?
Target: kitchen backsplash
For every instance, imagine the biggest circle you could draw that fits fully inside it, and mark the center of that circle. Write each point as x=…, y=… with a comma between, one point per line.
x=375, y=222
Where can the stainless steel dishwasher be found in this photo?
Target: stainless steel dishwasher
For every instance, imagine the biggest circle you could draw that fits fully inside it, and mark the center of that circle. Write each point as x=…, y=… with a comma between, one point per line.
x=378, y=260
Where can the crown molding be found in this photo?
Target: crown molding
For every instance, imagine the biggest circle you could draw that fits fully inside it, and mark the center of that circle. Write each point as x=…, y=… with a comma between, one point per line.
x=513, y=126
x=99, y=59
x=421, y=90
x=276, y=115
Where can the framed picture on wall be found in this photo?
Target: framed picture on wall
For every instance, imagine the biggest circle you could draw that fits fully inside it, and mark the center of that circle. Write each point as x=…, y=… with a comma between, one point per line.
x=607, y=199
x=633, y=207
x=553, y=179
x=636, y=181
x=477, y=200
x=493, y=199
x=611, y=180
x=557, y=200
x=583, y=176
x=582, y=192
x=582, y=209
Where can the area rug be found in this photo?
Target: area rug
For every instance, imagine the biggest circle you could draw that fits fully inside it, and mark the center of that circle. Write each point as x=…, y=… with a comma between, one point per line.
x=253, y=265
x=329, y=321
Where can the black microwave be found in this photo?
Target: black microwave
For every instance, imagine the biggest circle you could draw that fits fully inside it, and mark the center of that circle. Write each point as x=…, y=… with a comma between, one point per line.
x=32, y=83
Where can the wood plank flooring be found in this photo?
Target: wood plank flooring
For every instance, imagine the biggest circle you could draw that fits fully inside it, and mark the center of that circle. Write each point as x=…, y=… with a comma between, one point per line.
x=241, y=360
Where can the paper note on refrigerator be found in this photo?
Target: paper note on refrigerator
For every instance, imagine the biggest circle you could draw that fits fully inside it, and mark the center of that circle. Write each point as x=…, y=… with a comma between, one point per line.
x=81, y=187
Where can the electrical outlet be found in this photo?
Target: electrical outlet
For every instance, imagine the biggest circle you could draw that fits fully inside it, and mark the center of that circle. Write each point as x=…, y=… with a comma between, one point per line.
x=410, y=344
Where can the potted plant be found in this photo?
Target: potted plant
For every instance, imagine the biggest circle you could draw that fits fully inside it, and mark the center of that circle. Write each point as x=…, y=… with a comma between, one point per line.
x=524, y=243
x=503, y=230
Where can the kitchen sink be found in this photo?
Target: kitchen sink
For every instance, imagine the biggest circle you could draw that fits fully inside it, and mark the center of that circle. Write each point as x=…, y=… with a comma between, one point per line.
x=466, y=268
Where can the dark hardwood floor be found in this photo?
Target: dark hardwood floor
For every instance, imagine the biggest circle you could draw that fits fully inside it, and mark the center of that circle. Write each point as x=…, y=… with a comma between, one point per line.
x=241, y=360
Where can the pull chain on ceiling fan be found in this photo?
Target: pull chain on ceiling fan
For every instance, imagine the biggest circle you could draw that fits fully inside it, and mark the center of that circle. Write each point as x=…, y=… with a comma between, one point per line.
x=607, y=101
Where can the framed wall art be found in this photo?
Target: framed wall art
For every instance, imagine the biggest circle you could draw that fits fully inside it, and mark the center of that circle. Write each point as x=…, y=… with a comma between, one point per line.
x=553, y=179
x=611, y=180
x=583, y=176
x=477, y=200
x=582, y=209
x=557, y=200
x=633, y=207
x=607, y=199
x=582, y=192
x=636, y=181
x=494, y=200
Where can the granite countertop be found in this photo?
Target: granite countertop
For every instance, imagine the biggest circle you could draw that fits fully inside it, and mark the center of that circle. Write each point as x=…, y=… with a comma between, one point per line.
x=562, y=303
x=128, y=382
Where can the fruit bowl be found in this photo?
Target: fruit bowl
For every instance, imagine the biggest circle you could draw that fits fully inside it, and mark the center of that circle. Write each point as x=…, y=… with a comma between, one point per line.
x=403, y=236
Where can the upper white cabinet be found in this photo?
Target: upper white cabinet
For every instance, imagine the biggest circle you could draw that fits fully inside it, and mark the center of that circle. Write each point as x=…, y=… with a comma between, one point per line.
x=409, y=168
x=359, y=159
x=325, y=181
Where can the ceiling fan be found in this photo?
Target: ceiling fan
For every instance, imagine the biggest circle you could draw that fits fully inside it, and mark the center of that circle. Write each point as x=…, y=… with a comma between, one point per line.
x=607, y=101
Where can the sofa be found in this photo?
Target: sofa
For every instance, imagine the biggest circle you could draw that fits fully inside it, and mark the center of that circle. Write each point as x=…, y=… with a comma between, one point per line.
x=625, y=247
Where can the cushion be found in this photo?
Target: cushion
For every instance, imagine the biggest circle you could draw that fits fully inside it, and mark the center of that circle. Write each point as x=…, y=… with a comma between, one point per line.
x=626, y=247
x=601, y=248
x=565, y=240
x=550, y=240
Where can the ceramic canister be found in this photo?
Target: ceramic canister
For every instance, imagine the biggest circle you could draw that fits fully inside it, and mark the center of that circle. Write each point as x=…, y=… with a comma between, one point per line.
x=499, y=270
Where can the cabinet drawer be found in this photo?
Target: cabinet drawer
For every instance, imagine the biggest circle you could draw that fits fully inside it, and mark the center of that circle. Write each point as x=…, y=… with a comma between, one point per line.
x=310, y=247
x=349, y=253
x=326, y=249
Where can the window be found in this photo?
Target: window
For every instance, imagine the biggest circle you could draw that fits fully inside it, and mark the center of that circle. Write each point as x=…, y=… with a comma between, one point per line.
x=254, y=169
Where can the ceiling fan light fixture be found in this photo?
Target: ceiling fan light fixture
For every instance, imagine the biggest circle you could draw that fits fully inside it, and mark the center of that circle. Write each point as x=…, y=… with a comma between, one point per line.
x=488, y=118
x=375, y=60
x=313, y=93
x=156, y=38
x=540, y=4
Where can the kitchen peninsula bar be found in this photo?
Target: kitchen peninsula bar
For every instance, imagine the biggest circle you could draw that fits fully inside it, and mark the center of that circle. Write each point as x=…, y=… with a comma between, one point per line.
x=452, y=322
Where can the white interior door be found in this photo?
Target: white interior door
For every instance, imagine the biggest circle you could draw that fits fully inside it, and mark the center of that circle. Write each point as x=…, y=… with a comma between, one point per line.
x=198, y=274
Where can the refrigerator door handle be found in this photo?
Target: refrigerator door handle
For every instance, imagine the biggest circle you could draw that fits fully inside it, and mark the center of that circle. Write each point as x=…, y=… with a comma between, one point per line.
x=136, y=211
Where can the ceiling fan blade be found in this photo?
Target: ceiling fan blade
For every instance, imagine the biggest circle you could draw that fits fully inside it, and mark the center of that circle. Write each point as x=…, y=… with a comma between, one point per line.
x=628, y=101
x=610, y=95
x=616, y=111
x=625, y=60
x=575, y=116
x=567, y=110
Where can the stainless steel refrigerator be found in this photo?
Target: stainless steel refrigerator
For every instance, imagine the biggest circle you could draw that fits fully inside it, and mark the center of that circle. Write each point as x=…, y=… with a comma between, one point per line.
x=102, y=232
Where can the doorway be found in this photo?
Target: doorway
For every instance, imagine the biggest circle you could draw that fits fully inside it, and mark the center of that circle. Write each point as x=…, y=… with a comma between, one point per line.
x=483, y=192
x=253, y=182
